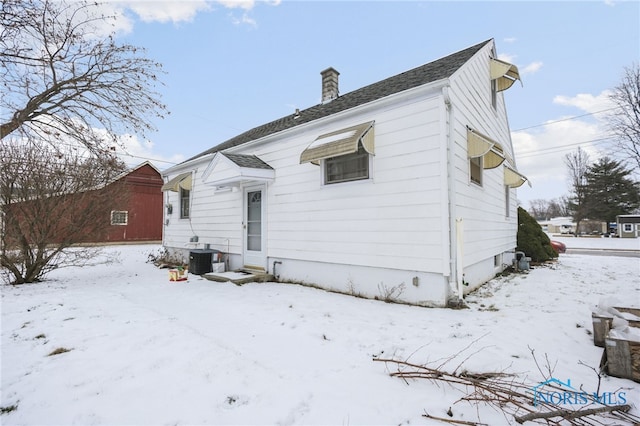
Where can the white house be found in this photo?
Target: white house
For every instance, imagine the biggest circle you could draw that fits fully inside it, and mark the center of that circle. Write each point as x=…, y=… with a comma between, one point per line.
x=405, y=186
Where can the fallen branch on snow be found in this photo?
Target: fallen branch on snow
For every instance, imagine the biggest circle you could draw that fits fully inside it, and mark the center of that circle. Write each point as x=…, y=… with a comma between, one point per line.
x=571, y=414
x=514, y=398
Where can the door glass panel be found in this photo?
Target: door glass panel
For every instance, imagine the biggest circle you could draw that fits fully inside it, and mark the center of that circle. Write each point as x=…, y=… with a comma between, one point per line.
x=254, y=220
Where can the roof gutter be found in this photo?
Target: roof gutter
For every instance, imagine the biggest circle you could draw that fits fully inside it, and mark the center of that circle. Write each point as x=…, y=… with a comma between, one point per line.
x=187, y=165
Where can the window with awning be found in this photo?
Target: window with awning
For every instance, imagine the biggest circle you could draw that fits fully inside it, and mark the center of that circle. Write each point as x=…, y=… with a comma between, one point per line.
x=504, y=73
x=341, y=142
x=181, y=181
x=479, y=145
x=513, y=179
x=485, y=153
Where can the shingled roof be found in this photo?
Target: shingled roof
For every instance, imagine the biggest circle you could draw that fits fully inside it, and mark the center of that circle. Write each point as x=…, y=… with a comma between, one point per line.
x=250, y=161
x=433, y=71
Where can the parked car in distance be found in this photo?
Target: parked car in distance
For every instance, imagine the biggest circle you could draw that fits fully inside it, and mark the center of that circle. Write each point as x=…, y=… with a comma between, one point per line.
x=558, y=246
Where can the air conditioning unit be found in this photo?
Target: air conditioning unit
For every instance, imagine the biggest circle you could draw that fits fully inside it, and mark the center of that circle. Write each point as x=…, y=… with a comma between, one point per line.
x=200, y=261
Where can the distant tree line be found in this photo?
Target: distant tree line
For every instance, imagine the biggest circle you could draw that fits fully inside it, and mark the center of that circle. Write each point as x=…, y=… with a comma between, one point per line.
x=542, y=209
x=599, y=190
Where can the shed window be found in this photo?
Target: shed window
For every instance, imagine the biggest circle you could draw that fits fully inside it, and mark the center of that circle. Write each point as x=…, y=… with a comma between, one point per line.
x=119, y=217
x=627, y=227
x=184, y=203
x=346, y=168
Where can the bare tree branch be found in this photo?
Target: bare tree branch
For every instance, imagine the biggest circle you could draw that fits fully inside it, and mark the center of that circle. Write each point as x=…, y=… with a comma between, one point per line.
x=625, y=121
x=514, y=397
x=577, y=163
x=571, y=414
x=60, y=79
x=49, y=201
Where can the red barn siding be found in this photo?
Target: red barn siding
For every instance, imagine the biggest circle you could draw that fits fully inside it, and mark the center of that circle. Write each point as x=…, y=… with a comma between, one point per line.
x=144, y=207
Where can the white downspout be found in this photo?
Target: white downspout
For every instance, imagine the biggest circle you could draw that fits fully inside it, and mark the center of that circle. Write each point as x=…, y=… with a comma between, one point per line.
x=448, y=202
x=460, y=255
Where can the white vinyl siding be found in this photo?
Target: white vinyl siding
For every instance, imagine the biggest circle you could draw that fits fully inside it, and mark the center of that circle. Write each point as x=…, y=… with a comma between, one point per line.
x=388, y=221
x=488, y=230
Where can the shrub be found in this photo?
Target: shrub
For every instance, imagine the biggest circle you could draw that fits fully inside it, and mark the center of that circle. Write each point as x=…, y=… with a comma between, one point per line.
x=532, y=240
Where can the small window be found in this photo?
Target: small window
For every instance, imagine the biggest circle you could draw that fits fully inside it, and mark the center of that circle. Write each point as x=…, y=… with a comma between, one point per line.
x=119, y=217
x=627, y=227
x=507, y=201
x=184, y=203
x=494, y=94
x=475, y=170
x=346, y=168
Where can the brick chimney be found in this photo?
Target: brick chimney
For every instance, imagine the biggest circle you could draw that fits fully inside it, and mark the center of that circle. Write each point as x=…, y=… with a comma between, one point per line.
x=329, y=84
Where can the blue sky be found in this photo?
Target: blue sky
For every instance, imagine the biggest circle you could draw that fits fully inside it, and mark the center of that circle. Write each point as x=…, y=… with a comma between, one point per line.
x=231, y=66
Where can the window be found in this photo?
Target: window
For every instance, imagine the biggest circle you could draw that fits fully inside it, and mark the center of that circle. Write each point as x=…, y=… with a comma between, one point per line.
x=507, y=201
x=346, y=168
x=119, y=217
x=475, y=170
x=627, y=227
x=184, y=203
x=494, y=94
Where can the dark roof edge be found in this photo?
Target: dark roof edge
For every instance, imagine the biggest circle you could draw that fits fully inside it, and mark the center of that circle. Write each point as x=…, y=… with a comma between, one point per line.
x=342, y=103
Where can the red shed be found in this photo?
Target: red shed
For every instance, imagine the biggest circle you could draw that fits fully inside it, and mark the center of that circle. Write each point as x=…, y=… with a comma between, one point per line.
x=141, y=218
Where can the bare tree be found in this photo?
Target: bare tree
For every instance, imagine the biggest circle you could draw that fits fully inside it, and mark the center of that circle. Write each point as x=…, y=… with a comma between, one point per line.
x=625, y=121
x=577, y=163
x=49, y=201
x=539, y=209
x=558, y=207
x=61, y=80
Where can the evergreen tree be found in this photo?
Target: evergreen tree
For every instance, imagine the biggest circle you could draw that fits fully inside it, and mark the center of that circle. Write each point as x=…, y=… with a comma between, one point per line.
x=610, y=191
x=532, y=240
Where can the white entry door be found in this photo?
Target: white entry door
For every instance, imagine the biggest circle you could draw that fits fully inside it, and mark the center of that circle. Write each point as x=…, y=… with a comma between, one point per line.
x=254, y=227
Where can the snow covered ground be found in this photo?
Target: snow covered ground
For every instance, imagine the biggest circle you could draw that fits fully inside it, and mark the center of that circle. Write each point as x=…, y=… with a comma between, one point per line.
x=146, y=351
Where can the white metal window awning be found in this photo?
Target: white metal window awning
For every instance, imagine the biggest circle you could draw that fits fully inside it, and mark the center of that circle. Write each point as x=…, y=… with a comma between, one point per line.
x=513, y=179
x=181, y=181
x=479, y=145
x=504, y=73
x=340, y=142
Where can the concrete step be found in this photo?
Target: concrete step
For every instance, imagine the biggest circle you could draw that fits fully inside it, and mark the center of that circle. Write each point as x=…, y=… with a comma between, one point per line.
x=239, y=277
